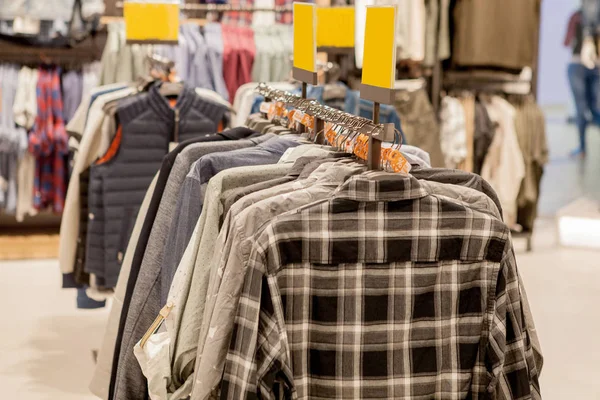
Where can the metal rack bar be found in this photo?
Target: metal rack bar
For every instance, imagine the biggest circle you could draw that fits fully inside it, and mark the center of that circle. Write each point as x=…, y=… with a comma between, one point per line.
x=374, y=145
x=377, y=132
x=382, y=132
x=227, y=7
x=68, y=57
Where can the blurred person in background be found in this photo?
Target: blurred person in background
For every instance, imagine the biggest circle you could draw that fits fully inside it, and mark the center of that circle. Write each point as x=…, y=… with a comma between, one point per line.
x=583, y=70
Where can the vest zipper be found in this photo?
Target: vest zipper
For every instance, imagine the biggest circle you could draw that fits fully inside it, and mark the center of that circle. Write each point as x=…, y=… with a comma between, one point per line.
x=176, y=129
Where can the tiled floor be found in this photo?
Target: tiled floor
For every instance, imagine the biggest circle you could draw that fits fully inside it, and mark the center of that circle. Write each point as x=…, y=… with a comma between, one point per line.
x=46, y=344
x=565, y=179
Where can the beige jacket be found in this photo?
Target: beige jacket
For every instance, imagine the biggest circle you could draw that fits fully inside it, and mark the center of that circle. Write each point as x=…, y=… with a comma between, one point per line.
x=25, y=184
x=94, y=143
x=504, y=166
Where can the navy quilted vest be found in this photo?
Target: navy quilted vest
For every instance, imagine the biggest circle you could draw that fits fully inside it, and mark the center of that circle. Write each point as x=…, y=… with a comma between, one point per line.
x=117, y=187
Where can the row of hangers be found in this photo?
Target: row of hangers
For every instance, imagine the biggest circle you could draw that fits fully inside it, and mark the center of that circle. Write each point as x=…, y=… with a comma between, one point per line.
x=344, y=131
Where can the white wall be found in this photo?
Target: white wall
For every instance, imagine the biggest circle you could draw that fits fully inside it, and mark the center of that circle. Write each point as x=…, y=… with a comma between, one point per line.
x=553, y=86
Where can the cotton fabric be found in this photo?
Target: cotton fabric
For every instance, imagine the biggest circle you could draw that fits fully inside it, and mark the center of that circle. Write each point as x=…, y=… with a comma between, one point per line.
x=190, y=285
x=144, y=305
x=274, y=294
x=504, y=166
x=453, y=132
x=101, y=379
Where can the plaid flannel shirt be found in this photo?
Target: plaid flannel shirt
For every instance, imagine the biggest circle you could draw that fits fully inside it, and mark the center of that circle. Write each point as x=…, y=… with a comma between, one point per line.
x=48, y=142
x=381, y=291
x=238, y=18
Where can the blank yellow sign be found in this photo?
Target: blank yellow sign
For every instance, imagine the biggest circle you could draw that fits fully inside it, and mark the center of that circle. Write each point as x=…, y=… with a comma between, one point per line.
x=335, y=26
x=305, y=35
x=379, y=62
x=151, y=21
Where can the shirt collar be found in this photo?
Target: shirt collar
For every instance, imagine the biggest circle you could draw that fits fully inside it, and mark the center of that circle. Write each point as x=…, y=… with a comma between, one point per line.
x=237, y=133
x=161, y=104
x=336, y=174
x=381, y=186
x=299, y=165
x=277, y=145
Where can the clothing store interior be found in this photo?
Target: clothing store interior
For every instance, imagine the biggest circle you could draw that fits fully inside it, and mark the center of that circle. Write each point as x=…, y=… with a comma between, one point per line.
x=432, y=165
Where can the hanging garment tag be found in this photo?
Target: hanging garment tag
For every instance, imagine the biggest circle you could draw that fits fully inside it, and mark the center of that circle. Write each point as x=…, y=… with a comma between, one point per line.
x=298, y=116
x=308, y=121
x=265, y=107
x=290, y=117
x=361, y=146
x=279, y=109
x=399, y=163
x=172, y=146
x=330, y=134
x=160, y=318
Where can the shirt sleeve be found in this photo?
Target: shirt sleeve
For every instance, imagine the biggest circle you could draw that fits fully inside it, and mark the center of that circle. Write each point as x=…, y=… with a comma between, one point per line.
x=257, y=355
x=183, y=225
x=509, y=355
x=571, y=29
x=219, y=314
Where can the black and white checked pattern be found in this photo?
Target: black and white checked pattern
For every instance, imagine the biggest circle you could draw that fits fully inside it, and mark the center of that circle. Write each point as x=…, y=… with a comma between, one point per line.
x=383, y=291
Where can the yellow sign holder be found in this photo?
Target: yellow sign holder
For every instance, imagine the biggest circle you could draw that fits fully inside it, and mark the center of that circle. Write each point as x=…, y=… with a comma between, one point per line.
x=335, y=27
x=305, y=43
x=151, y=22
x=379, y=62
x=379, y=68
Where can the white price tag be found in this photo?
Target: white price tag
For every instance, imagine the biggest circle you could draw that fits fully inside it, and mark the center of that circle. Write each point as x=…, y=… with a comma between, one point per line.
x=298, y=116
x=265, y=107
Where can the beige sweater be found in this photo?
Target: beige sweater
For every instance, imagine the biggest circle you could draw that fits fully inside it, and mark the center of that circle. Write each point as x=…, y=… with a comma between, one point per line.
x=504, y=167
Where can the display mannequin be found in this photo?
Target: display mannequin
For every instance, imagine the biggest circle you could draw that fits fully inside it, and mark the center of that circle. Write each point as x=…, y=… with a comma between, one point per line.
x=583, y=70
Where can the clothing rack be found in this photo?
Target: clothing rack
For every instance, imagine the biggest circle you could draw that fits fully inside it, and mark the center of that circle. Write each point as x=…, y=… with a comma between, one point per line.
x=489, y=84
x=67, y=57
x=494, y=83
x=227, y=7
x=203, y=20
x=377, y=133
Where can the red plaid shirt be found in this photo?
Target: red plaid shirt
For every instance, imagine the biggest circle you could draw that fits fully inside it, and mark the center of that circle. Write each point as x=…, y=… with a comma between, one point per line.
x=48, y=142
x=238, y=18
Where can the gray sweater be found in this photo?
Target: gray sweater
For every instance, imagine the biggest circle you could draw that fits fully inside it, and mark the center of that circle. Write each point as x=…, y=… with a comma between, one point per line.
x=145, y=302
